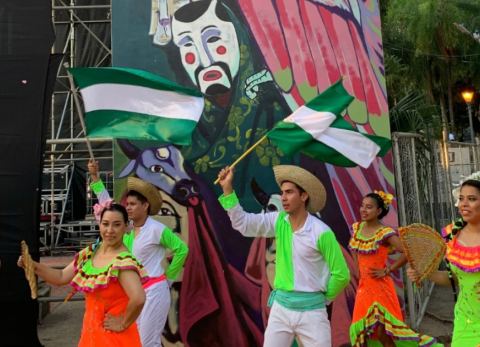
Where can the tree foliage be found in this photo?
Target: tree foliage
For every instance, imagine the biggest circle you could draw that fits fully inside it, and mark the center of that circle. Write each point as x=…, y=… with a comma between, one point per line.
x=428, y=59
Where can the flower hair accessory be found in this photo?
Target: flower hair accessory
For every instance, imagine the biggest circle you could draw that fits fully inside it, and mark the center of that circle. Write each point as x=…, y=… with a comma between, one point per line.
x=386, y=197
x=99, y=207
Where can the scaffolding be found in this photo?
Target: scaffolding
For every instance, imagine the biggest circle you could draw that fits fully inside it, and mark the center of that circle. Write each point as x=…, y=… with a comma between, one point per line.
x=83, y=36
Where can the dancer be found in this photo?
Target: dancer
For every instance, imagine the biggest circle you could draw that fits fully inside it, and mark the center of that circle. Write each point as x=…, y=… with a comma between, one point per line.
x=111, y=279
x=377, y=315
x=310, y=268
x=463, y=263
x=148, y=241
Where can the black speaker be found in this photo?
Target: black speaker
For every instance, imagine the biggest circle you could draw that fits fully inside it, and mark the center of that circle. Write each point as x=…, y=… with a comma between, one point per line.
x=27, y=73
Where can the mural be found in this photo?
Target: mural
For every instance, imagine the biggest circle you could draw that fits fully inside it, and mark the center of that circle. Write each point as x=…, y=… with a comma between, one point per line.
x=255, y=62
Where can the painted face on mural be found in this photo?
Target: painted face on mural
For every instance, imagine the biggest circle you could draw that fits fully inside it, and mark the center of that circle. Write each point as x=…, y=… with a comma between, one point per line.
x=208, y=46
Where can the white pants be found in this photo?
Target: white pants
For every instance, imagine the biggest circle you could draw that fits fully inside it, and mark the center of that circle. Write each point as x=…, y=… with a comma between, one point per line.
x=151, y=321
x=312, y=328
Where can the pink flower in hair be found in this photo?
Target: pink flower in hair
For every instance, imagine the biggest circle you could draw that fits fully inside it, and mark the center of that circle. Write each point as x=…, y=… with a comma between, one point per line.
x=99, y=207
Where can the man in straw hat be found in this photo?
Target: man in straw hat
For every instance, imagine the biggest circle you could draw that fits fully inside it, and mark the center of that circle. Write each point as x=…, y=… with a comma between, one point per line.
x=310, y=268
x=148, y=241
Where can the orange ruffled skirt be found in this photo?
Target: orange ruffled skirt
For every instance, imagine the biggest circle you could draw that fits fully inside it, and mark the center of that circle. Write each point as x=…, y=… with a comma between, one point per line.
x=376, y=303
x=113, y=300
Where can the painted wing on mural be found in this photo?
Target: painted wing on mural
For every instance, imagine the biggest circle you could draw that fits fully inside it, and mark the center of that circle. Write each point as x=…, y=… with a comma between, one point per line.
x=308, y=45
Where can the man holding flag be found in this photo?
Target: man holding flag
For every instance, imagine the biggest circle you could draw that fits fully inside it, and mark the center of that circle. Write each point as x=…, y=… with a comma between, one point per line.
x=310, y=268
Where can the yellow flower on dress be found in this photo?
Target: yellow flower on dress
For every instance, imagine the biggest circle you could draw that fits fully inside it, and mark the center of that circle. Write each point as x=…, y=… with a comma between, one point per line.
x=386, y=197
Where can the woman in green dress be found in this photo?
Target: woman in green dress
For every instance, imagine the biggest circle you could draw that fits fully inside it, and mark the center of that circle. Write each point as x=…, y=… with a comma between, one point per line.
x=463, y=260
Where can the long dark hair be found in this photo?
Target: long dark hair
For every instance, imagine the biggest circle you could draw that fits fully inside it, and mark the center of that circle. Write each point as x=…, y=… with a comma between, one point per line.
x=116, y=208
x=380, y=204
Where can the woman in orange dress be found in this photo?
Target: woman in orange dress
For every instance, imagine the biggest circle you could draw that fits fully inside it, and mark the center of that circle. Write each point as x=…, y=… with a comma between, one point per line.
x=377, y=316
x=111, y=279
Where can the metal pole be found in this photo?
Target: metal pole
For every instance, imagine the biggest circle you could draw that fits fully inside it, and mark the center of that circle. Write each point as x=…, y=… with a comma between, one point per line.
x=79, y=140
x=415, y=179
x=79, y=110
x=89, y=30
x=78, y=7
x=49, y=245
x=470, y=120
x=72, y=63
x=402, y=217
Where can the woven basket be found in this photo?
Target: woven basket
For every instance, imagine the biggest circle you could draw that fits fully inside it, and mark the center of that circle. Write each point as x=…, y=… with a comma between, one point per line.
x=423, y=247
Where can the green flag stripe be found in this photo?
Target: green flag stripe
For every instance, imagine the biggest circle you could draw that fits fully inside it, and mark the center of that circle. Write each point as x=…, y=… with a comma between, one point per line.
x=334, y=99
x=85, y=77
x=289, y=137
x=301, y=141
x=326, y=154
x=121, y=124
x=384, y=144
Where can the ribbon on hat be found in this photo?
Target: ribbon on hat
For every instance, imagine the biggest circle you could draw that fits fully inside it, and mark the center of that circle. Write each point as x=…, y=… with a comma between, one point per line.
x=99, y=207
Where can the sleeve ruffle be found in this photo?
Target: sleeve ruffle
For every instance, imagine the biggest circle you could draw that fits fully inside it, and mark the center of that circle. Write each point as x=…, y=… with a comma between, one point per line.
x=86, y=280
x=370, y=245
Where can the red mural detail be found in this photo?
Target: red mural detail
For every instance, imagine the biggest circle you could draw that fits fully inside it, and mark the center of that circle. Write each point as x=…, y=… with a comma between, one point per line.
x=190, y=58
x=320, y=46
x=221, y=50
x=302, y=64
x=340, y=37
x=263, y=21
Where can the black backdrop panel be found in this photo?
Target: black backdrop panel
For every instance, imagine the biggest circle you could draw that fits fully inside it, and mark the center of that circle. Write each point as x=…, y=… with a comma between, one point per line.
x=22, y=98
x=27, y=73
x=25, y=27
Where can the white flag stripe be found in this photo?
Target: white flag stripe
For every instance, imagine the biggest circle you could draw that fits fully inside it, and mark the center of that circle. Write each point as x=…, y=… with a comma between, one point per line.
x=313, y=122
x=137, y=99
x=355, y=146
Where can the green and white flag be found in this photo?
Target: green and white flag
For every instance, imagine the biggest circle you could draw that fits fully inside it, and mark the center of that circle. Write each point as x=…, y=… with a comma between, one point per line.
x=318, y=130
x=135, y=104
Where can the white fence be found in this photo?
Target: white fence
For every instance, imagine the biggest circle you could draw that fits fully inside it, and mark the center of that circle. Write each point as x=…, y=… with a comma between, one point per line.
x=426, y=171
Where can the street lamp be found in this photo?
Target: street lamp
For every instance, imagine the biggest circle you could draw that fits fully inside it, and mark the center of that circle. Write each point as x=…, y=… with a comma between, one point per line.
x=467, y=96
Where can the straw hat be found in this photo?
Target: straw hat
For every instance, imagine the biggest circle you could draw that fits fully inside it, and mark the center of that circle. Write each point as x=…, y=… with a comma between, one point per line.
x=148, y=190
x=307, y=181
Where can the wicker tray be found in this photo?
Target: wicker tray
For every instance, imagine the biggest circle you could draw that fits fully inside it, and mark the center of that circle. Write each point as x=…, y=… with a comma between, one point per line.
x=424, y=248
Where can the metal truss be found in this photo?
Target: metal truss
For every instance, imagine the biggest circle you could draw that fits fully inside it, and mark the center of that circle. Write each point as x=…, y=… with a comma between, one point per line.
x=83, y=36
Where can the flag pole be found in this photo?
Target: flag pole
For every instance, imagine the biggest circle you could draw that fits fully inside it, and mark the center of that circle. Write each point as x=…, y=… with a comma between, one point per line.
x=73, y=89
x=247, y=152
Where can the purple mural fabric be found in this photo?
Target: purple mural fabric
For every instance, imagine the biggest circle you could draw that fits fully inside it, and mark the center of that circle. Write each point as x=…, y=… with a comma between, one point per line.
x=208, y=296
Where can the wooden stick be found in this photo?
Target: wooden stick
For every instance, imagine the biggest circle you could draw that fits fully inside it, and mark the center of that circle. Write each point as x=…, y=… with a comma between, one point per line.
x=247, y=152
x=79, y=109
